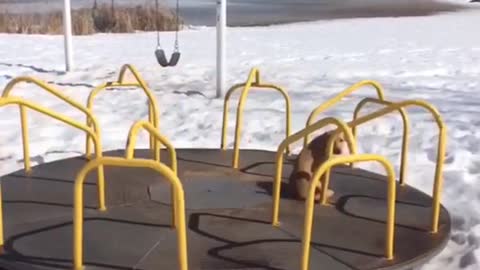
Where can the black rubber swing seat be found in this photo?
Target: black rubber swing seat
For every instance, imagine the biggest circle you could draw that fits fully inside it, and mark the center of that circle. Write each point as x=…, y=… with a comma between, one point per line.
x=162, y=59
x=228, y=218
x=159, y=52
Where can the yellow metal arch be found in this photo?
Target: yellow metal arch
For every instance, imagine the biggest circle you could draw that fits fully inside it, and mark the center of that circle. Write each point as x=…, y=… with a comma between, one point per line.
x=132, y=140
x=1, y=220
x=406, y=131
x=131, y=163
x=42, y=85
x=253, y=81
x=309, y=203
x=331, y=102
x=153, y=112
x=98, y=147
x=438, y=180
x=342, y=126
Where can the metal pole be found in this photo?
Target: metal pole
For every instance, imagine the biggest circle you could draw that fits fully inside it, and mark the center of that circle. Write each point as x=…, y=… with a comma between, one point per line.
x=221, y=31
x=67, y=28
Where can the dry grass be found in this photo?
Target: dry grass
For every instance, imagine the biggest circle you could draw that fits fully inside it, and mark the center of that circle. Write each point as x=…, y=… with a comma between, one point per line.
x=102, y=19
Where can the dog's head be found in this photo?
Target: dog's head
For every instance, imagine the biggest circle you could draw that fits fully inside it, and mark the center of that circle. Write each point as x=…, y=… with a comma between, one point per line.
x=340, y=145
x=319, y=145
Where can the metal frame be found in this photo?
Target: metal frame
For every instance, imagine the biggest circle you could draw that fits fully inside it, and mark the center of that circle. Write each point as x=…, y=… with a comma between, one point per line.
x=390, y=107
x=293, y=138
x=405, y=141
x=130, y=149
x=331, y=102
x=406, y=131
x=178, y=207
x=7, y=92
x=153, y=112
x=23, y=104
x=133, y=135
x=309, y=203
x=438, y=178
x=252, y=81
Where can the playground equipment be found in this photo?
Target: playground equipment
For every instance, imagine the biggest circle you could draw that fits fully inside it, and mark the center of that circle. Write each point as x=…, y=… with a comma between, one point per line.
x=228, y=200
x=159, y=52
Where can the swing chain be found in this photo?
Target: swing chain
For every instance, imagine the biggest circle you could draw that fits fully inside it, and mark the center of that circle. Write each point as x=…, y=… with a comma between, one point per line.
x=177, y=22
x=176, y=47
x=156, y=25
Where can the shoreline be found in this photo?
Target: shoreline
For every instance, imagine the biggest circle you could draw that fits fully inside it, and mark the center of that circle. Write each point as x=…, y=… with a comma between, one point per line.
x=264, y=14
x=245, y=13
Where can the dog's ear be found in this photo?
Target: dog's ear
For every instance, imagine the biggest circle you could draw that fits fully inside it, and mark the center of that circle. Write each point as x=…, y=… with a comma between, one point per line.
x=316, y=142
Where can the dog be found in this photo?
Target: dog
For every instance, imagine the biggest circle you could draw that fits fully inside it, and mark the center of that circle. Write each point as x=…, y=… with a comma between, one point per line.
x=310, y=159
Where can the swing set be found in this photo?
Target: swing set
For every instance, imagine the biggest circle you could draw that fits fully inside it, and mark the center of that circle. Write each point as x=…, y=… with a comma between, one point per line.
x=159, y=51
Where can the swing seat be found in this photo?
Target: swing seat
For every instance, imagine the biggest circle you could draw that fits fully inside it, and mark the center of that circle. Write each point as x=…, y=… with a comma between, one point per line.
x=162, y=59
x=159, y=52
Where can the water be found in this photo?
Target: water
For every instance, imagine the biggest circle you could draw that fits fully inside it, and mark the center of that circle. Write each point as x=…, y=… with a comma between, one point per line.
x=261, y=12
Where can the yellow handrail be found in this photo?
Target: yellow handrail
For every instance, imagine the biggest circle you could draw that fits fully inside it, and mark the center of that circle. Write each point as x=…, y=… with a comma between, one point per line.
x=98, y=147
x=253, y=81
x=438, y=181
x=153, y=113
x=133, y=70
x=406, y=131
x=1, y=221
x=309, y=203
x=330, y=146
x=295, y=137
x=10, y=86
x=132, y=141
x=26, y=146
x=329, y=103
x=131, y=163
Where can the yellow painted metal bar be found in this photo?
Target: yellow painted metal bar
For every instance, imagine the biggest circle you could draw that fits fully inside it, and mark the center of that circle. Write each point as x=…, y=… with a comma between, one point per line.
x=153, y=114
x=1, y=221
x=331, y=102
x=46, y=111
x=151, y=143
x=10, y=86
x=90, y=117
x=98, y=147
x=26, y=146
x=330, y=146
x=238, y=125
x=341, y=126
x=108, y=85
x=309, y=203
x=132, y=139
x=104, y=86
x=253, y=81
x=133, y=71
x=438, y=180
x=223, y=143
x=406, y=131
x=131, y=163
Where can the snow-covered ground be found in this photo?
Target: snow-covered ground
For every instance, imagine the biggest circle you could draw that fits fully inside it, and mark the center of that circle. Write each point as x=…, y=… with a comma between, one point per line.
x=435, y=58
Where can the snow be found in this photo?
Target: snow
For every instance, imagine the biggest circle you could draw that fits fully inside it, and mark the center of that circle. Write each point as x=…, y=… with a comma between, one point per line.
x=434, y=58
